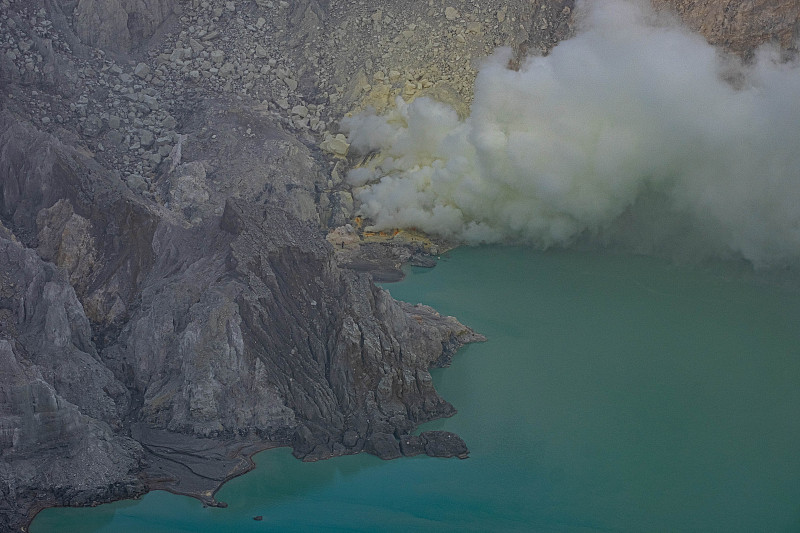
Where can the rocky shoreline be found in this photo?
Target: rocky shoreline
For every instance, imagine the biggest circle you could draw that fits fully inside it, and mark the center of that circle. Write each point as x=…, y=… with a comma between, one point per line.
x=184, y=280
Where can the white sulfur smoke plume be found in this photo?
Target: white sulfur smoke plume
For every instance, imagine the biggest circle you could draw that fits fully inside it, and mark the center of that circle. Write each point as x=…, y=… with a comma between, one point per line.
x=625, y=128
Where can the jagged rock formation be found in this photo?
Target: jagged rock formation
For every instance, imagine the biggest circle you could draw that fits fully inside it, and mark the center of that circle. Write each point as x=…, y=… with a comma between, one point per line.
x=116, y=25
x=168, y=301
x=741, y=26
x=60, y=407
x=240, y=326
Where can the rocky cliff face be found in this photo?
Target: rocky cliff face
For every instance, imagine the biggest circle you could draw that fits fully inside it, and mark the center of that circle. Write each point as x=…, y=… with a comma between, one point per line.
x=741, y=26
x=60, y=406
x=116, y=25
x=238, y=326
x=169, y=302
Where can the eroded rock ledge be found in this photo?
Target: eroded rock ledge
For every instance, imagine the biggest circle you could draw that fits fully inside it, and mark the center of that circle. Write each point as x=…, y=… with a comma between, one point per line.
x=207, y=342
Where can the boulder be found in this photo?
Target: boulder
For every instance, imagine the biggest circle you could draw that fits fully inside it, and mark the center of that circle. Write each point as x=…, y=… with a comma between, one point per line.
x=444, y=444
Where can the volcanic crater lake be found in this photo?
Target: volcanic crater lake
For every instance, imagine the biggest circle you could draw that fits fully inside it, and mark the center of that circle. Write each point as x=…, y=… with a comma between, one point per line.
x=615, y=393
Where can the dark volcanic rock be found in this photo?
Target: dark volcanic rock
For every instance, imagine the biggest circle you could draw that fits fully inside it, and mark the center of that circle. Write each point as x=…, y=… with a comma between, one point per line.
x=383, y=445
x=435, y=444
x=212, y=337
x=411, y=445
x=186, y=464
x=444, y=444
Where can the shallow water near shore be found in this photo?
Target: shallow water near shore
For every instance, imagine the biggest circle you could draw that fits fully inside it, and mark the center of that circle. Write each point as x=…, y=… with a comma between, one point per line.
x=615, y=393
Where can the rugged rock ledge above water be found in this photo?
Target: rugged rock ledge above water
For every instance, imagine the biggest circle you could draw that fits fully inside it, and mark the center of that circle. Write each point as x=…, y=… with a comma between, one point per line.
x=169, y=303
x=242, y=329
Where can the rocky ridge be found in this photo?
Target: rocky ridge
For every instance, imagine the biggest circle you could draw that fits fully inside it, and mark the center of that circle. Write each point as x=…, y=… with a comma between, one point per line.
x=182, y=274
x=741, y=26
x=238, y=328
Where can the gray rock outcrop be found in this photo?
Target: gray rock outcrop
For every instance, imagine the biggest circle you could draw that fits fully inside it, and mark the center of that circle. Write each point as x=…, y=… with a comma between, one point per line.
x=60, y=407
x=231, y=327
x=118, y=25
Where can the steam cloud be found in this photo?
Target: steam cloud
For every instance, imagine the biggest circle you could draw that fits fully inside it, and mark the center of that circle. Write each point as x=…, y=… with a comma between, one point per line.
x=633, y=129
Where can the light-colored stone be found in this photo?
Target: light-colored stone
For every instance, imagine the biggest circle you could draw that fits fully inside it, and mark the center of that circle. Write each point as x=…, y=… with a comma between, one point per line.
x=475, y=27
x=150, y=102
x=451, y=13
x=146, y=138
x=226, y=69
x=136, y=182
x=141, y=70
x=196, y=46
x=336, y=145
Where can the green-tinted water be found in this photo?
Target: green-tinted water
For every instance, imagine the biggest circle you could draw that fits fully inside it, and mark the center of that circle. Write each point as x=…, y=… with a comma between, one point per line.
x=616, y=393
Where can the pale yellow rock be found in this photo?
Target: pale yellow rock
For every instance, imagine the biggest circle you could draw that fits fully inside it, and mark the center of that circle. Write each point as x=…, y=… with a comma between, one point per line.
x=378, y=97
x=336, y=145
x=475, y=28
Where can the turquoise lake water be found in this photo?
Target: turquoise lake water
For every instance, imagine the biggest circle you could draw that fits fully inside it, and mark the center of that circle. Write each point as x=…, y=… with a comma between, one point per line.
x=616, y=393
